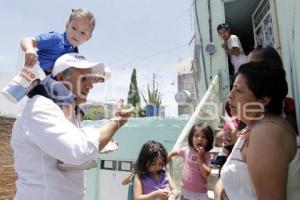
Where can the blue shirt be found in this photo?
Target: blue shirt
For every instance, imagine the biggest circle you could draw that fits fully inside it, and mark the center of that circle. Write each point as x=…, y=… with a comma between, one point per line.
x=51, y=46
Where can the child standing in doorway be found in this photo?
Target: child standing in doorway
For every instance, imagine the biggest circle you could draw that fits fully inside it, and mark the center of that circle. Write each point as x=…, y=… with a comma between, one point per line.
x=196, y=158
x=232, y=46
x=152, y=181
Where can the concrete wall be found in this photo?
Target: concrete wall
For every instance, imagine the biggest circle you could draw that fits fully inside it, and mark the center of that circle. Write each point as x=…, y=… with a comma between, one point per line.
x=7, y=173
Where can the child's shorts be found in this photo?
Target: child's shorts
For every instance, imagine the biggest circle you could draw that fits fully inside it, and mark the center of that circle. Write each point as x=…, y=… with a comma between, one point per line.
x=186, y=194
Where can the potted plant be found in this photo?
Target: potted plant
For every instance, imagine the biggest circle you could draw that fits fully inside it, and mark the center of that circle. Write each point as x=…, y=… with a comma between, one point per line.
x=152, y=102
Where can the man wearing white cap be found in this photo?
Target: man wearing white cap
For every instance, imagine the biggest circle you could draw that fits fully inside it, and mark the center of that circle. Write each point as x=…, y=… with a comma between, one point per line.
x=42, y=135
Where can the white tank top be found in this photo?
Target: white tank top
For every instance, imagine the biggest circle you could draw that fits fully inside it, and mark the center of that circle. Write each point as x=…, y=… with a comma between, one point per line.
x=238, y=184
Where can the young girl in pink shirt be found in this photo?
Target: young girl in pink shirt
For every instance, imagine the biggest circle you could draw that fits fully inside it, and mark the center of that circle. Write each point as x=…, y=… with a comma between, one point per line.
x=196, y=158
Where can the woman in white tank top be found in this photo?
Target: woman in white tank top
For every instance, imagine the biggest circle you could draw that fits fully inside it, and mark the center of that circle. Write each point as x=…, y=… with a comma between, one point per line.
x=264, y=163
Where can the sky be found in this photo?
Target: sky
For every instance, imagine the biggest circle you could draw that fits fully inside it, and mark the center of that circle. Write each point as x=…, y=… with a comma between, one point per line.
x=148, y=35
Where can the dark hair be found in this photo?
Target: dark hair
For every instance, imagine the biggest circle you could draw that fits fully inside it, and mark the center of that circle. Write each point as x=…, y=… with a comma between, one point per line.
x=221, y=26
x=149, y=152
x=266, y=80
x=269, y=55
x=208, y=132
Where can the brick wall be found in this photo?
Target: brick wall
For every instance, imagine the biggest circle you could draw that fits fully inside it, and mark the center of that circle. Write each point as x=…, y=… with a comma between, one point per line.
x=7, y=173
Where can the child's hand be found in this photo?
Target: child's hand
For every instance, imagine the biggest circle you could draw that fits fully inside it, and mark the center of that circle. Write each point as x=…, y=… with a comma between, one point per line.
x=30, y=57
x=171, y=196
x=227, y=138
x=200, y=151
x=161, y=194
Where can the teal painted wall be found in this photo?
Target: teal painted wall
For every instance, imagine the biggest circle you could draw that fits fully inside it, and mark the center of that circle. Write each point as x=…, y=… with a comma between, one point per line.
x=139, y=130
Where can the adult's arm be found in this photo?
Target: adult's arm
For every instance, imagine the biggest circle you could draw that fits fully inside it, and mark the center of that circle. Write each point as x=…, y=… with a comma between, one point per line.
x=49, y=129
x=108, y=130
x=268, y=156
x=219, y=192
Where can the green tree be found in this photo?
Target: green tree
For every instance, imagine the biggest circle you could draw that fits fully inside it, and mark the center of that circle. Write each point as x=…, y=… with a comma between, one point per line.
x=94, y=113
x=133, y=94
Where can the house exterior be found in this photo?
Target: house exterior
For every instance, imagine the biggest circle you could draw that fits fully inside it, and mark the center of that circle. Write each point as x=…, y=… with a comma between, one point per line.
x=186, y=95
x=256, y=22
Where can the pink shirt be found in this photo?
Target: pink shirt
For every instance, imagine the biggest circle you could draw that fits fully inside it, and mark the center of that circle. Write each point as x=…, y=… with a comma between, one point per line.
x=192, y=179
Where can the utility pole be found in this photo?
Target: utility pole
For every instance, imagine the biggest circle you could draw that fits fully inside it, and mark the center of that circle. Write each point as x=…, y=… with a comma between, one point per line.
x=153, y=83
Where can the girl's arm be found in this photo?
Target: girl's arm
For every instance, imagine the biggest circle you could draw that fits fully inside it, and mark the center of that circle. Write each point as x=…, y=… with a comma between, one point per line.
x=126, y=180
x=138, y=192
x=203, y=167
x=268, y=155
x=172, y=154
x=173, y=190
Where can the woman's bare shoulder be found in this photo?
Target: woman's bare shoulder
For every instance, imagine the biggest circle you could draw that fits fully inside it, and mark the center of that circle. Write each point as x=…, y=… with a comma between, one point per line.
x=274, y=132
x=274, y=125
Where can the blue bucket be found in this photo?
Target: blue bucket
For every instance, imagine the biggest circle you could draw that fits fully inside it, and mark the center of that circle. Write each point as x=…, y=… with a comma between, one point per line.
x=152, y=110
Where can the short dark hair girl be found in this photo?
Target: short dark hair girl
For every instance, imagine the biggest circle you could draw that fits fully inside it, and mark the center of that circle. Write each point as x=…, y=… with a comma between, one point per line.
x=208, y=132
x=149, y=152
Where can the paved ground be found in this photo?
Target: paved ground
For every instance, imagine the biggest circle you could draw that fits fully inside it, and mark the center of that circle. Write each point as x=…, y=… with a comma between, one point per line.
x=214, y=175
x=212, y=179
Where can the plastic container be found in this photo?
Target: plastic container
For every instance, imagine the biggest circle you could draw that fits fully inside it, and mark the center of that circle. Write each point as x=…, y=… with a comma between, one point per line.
x=23, y=83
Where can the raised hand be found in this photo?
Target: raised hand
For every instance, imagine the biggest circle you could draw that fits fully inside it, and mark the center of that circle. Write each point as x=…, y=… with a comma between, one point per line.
x=201, y=152
x=120, y=112
x=121, y=115
x=30, y=58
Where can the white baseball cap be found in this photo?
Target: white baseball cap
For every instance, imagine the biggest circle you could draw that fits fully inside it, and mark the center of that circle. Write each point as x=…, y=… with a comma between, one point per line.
x=78, y=61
